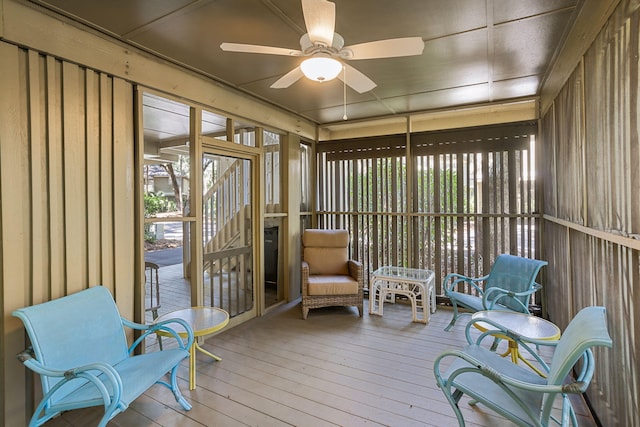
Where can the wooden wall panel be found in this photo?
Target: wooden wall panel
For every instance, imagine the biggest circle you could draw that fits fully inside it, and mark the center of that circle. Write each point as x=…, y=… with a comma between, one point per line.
x=568, y=150
x=599, y=178
x=605, y=274
x=39, y=178
x=124, y=236
x=558, y=288
x=74, y=174
x=547, y=163
x=590, y=240
x=14, y=230
x=611, y=149
x=92, y=126
x=55, y=195
x=106, y=183
x=67, y=194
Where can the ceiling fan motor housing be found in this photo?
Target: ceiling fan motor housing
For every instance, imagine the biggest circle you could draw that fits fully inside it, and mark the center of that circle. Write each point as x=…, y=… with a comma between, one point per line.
x=310, y=48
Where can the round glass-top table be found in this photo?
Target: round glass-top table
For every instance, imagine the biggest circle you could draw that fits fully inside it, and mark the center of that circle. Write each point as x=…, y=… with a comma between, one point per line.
x=203, y=321
x=528, y=326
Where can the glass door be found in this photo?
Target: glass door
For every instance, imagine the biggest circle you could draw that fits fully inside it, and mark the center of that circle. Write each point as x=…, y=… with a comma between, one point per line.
x=228, y=234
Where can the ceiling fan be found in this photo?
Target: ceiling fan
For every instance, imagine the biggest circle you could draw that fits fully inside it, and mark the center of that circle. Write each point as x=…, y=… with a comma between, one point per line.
x=326, y=53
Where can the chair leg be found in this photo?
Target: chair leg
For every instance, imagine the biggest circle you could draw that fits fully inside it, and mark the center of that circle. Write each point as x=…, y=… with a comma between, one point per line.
x=452, y=396
x=305, y=312
x=494, y=346
x=109, y=412
x=453, y=320
x=176, y=391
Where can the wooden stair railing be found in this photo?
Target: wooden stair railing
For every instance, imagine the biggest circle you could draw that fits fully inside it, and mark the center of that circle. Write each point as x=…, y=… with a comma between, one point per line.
x=224, y=213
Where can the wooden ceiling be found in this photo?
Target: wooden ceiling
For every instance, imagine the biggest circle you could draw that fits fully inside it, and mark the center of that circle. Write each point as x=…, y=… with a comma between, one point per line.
x=475, y=51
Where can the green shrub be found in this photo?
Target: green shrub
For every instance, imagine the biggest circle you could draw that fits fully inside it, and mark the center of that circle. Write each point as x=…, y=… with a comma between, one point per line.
x=155, y=203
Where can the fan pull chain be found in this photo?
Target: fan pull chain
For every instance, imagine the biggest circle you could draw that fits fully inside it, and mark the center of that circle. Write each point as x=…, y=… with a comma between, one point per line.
x=344, y=92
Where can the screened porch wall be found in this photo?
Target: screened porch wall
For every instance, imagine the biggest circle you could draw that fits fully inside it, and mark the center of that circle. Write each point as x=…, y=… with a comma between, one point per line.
x=470, y=196
x=590, y=141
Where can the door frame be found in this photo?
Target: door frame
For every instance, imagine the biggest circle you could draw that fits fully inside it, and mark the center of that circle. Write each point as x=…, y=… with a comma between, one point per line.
x=200, y=144
x=218, y=147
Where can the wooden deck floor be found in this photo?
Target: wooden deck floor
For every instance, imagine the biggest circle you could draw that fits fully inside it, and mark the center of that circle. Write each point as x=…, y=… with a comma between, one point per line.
x=334, y=369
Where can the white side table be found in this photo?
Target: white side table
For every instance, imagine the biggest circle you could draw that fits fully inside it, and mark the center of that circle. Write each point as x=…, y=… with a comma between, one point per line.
x=386, y=282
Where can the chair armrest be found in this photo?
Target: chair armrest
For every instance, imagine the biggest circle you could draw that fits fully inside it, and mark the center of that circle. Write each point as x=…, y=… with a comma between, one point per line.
x=451, y=280
x=160, y=326
x=497, y=377
x=304, y=268
x=586, y=371
x=28, y=359
x=356, y=271
x=494, y=294
x=103, y=376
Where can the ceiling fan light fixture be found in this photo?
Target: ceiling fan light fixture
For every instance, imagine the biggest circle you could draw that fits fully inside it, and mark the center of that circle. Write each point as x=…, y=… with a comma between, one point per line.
x=321, y=68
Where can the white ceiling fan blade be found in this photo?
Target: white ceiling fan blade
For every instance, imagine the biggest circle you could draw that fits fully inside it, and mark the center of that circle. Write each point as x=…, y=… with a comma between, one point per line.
x=356, y=80
x=288, y=79
x=406, y=46
x=320, y=20
x=254, y=48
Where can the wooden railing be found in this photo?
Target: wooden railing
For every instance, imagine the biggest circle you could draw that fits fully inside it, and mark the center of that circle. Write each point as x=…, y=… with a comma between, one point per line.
x=227, y=251
x=445, y=243
x=224, y=214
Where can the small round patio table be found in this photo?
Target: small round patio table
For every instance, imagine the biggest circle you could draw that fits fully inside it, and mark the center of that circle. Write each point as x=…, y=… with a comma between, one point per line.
x=523, y=324
x=203, y=321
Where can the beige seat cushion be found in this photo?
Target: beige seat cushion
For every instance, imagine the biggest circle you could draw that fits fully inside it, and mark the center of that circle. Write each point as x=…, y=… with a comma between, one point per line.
x=332, y=285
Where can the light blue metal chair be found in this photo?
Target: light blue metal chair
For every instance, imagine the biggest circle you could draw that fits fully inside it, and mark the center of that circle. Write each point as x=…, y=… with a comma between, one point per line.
x=79, y=349
x=518, y=393
x=508, y=286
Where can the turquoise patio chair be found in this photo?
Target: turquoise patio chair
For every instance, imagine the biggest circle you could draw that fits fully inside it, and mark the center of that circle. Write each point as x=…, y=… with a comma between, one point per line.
x=79, y=348
x=518, y=393
x=508, y=286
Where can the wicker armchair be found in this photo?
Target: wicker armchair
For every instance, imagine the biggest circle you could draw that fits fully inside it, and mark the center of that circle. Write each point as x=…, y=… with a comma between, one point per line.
x=329, y=278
